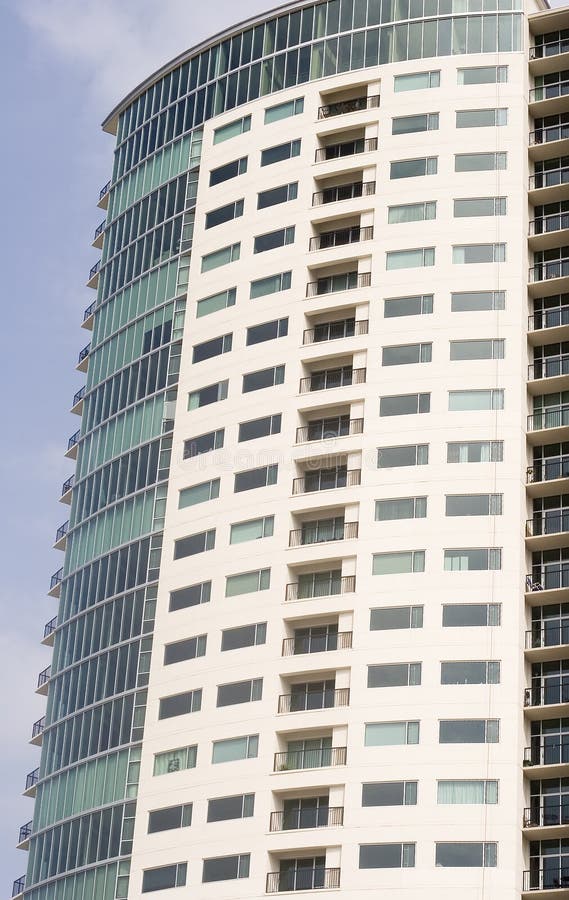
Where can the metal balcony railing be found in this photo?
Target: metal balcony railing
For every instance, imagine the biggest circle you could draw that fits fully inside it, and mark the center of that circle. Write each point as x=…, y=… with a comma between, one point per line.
x=333, y=331
x=557, y=268
x=548, y=523
x=83, y=354
x=319, y=758
x=61, y=531
x=331, y=378
x=50, y=627
x=316, y=533
x=345, y=584
x=44, y=676
x=94, y=269
x=317, y=643
x=548, y=469
x=342, y=236
x=38, y=727
x=551, y=692
x=67, y=485
x=549, y=91
x=324, y=430
x=32, y=778
x=74, y=439
x=548, y=134
x=298, y=818
x=554, y=417
x=56, y=578
x=554, y=634
x=19, y=886
x=25, y=832
x=104, y=190
x=309, y=700
x=303, y=880
x=550, y=178
x=552, y=48
x=548, y=578
x=344, y=192
x=336, y=283
x=349, y=148
x=89, y=311
x=99, y=229
x=554, y=876
x=553, y=751
x=554, y=813
x=326, y=480
x=547, y=224
x=78, y=395
x=356, y=104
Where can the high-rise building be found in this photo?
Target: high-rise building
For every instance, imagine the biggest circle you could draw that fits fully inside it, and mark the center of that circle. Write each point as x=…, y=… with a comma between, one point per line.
x=313, y=623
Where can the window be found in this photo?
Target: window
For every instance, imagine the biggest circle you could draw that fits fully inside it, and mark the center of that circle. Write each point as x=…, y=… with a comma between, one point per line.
x=256, y=428
x=243, y=636
x=229, y=170
x=477, y=301
x=479, y=162
x=169, y=817
x=284, y=110
x=467, y=254
x=466, y=855
x=473, y=400
x=240, y=692
x=224, y=214
x=190, y=648
x=469, y=731
x=264, y=378
x=473, y=559
x=247, y=582
x=394, y=675
x=164, y=877
x=473, y=505
x=412, y=212
x=412, y=168
x=398, y=562
x=221, y=257
x=481, y=118
x=404, y=404
x=470, y=672
x=392, y=618
x=280, y=152
x=199, y=493
x=175, y=760
x=194, y=543
x=389, y=793
x=251, y=479
x=277, y=195
x=478, y=349
x=475, y=451
x=274, y=284
x=400, y=508
x=193, y=595
x=397, y=307
x=460, y=615
x=216, y=302
x=204, y=443
x=212, y=393
x=416, y=81
x=483, y=75
x=214, y=347
x=273, y=239
x=481, y=206
x=180, y=704
x=231, y=749
x=268, y=331
x=232, y=129
x=406, y=354
x=406, y=455
x=466, y=792
x=251, y=530
x=387, y=856
x=413, y=124
x=240, y=806
x=226, y=868
x=391, y=734
x=410, y=259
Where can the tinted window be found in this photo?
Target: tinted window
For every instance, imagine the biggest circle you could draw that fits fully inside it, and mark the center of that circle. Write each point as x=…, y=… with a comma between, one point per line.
x=255, y=478
x=195, y=543
x=186, y=649
x=280, y=152
x=393, y=457
x=237, y=807
x=180, y=704
x=223, y=868
x=267, y=331
x=273, y=239
x=244, y=636
x=229, y=170
x=190, y=596
x=389, y=793
x=170, y=817
x=458, y=615
x=394, y=617
x=257, y=428
x=212, y=348
x=239, y=692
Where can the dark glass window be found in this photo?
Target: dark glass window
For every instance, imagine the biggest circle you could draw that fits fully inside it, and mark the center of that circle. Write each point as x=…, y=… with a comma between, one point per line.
x=190, y=596
x=280, y=152
x=195, y=543
x=214, y=347
x=267, y=331
x=224, y=214
x=458, y=615
x=392, y=618
x=277, y=195
x=164, y=877
x=389, y=793
x=169, y=818
x=240, y=692
x=264, y=378
x=204, y=443
x=244, y=636
x=255, y=478
x=273, y=239
x=221, y=809
x=225, y=868
x=256, y=428
x=180, y=704
x=190, y=648
x=229, y=170
x=387, y=856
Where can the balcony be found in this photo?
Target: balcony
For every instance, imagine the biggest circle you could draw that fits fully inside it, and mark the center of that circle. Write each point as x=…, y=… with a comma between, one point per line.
x=553, y=753
x=66, y=489
x=61, y=536
x=93, y=280
x=548, y=530
x=342, y=236
x=549, y=367
x=555, y=813
x=546, y=642
x=104, y=196
x=303, y=880
x=49, y=632
x=546, y=697
x=327, y=379
x=343, y=107
x=77, y=405
x=550, y=469
x=544, y=232
x=32, y=779
x=346, y=149
x=297, y=818
x=334, y=331
x=326, y=480
x=328, y=586
x=43, y=680
x=549, y=578
x=334, y=284
x=555, y=321
x=88, y=316
x=71, y=452
x=550, y=185
x=329, y=429
x=552, y=421
x=317, y=643
x=546, y=276
x=554, y=877
x=19, y=886
x=24, y=836
x=548, y=57
x=55, y=583
x=549, y=99
x=37, y=732
x=322, y=532
x=305, y=701
x=83, y=359
x=351, y=191
x=320, y=758
x=99, y=234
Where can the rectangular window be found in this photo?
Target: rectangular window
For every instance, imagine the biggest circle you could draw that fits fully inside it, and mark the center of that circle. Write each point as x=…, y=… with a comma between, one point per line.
x=394, y=675
x=222, y=809
x=216, y=302
x=229, y=170
x=275, y=196
x=180, y=651
x=231, y=749
x=175, y=760
x=243, y=636
x=389, y=793
x=226, y=868
x=391, y=734
x=400, y=508
x=274, y=284
x=412, y=212
x=473, y=505
x=475, y=451
x=483, y=75
x=406, y=354
x=397, y=307
x=473, y=559
x=199, y=493
x=467, y=254
x=194, y=543
x=240, y=692
x=469, y=731
x=193, y=595
x=264, y=378
x=251, y=479
x=467, y=792
x=212, y=393
x=267, y=331
x=412, y=168
x=232, y=129
x=474, y=400
x=477, y=301
x=461, y=615
x=224, y=214
x=477, y=349
x=480, y=206
x=387, y=856
x=180, y=704
x=221, y=257
x=247, y=582
x=398, y=562
x=406, y=455
x=213, y=347
x=393, y=618
x=414, y=124
x=273, y=239
x=204, y=443
x=257, y=428
x=251, y=530
x=481, y=118
x=164, y=877
x=280, y=152
x=404, y=404
x=480, y=162
x=466, y=855
x=470, y=672
x=284, y=110
x=421, y=257
x=169, y=817
x=416, y=81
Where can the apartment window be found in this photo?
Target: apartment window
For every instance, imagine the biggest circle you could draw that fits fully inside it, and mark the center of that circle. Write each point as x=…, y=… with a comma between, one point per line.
x=264, y=378
x=420, y=257
x=404, y=404
x=480, y=162
x=175, y=760
x=405, y=455
x=194, y=543
x=244, y=636
x=267, y=331
x=387, y=856
x=280, y=152
x=412, y=212
x=231, y=749
x=475, y=451
x=416, y=81
x=477, y=301
x=466, y=855
x=180, y=651
x=467, y=254
x=214, y=347
x=413, y=124
x=467, y=792
x=406, y=354
x=193, y=595
x=412, y=168
x=224, y=214
x=199, y=493
x=469, y=731
x=247, y=582
x=273, y=284
x=216, y=302
x=461, y=615
x=180, y=704
x=473, y=505
x=164, y=877
x=477, y=349
x=393, y=618
x=251, y=530
x=480, y=206
x=483, y=75
x=221, y=257
x=232, y=129
x=257, y=428
x=273, y=239
x=226, y=868
x=481, y=118
x=470, y=672
x=204, y=443
x=398, y=562
x=229, y=170
x=222, y=809
x=394, y=675
x=212, y=393
x=389, y=793
x=400, y=508
x=475, y=559
x=284, y=110
x=397, y=307
x=274, y=196
x=473, y=400
x=240, y=692
x=391, y=734
x=169, y=818
x=251, y=479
